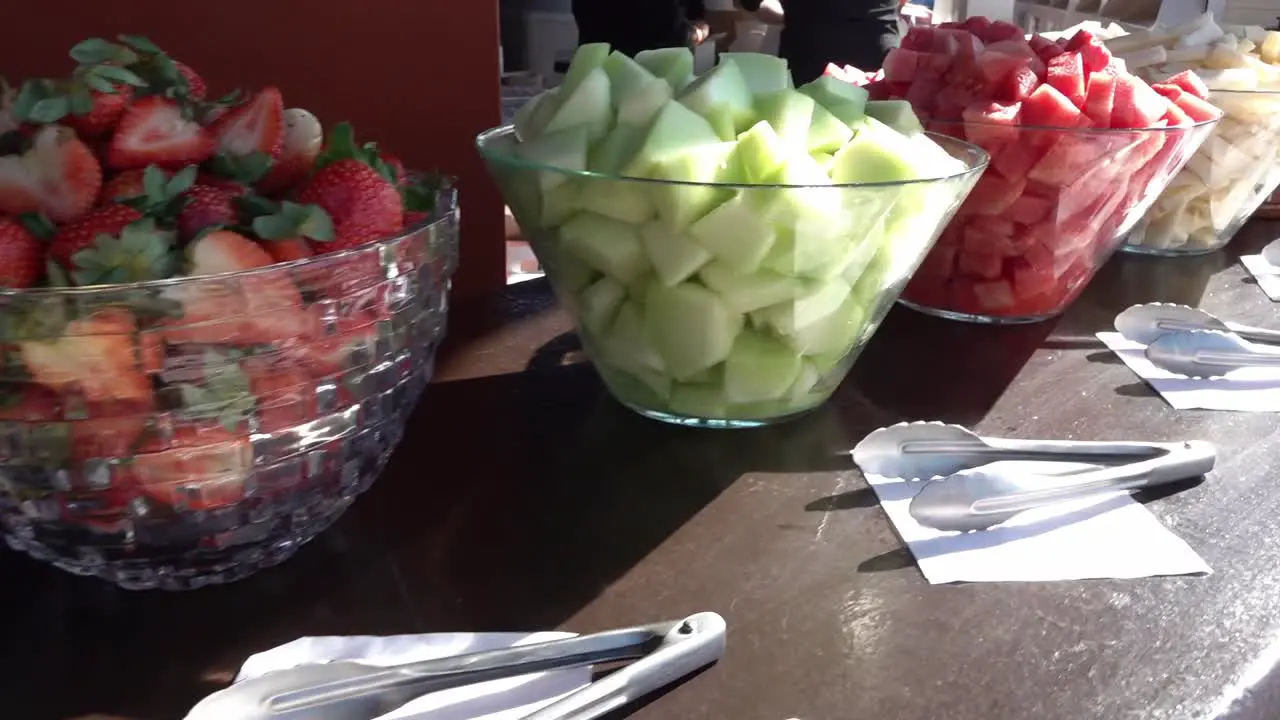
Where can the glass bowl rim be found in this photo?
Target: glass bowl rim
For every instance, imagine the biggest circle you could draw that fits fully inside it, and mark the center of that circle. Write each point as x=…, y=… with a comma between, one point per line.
x=1237, y=91
x=447, y=194
x=1074, y=130
x=510, y=159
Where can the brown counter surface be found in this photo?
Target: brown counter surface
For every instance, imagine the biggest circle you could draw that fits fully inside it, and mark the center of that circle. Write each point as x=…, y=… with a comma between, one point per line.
x=524, y=498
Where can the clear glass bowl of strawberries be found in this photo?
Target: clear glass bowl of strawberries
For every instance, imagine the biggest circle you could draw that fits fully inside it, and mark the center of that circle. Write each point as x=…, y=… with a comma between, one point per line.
x=214, y=319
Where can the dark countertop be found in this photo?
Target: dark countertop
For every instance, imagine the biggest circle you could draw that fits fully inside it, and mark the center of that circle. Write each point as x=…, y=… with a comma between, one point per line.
x=524, y=498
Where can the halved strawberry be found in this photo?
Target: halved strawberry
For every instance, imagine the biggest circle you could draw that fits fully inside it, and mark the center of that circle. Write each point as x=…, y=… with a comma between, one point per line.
x=127, y=184
x=155, y=132
x=21, y=256
x=256, y=126
x=58, y=176
x=284, y=391
x=303, y=140
x=288, y=249
x=95, y=355
x=205, y=467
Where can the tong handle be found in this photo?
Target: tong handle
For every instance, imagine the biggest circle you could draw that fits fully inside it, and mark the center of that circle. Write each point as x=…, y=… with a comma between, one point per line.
x=1237, y=359
x=1255, y=334
x=1191, y=459
x=695, y=643
x=1076, y=450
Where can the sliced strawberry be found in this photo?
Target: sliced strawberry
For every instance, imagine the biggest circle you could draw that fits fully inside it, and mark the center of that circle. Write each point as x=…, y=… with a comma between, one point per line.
x=95, y=355
x=285, y=392
x=303, y=140
x=57, y=176
x=155, y=132
x=127, y=184
x=204, y=468
x=21, y=256
x=287, y=250
x=256, y=126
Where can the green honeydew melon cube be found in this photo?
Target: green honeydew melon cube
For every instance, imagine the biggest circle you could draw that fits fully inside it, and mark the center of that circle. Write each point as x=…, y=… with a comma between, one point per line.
x=691, y=327
x=761, y=154
x=627, y=344
x=535, y=114
x=566, y=149
x=674, y=65
x=835, y=332
x=735, y=233
x=759, y=368
x=817, y=302
x=845, y=101
x=675, y=256
x=598, y=305
x=639, y=108
x=788, y=112
x=680, y=205
x=746, y=292
x=625, y=75
x=698, y=400
x=606, y=245
x=897, y=114
x=722, y=97
x=827, y=133
x=764, y=73
x=589, y=105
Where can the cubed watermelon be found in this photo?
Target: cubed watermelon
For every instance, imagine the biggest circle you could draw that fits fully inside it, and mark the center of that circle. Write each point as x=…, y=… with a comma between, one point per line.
x=837, y=72
x=996, y=66
x=1016, y=158
x=1029, y=209
x=1032, y=280
x=1018, y=86
x=1190, y=82
x=940, y=263
x=976, y=24
x=992, y=125
x=879, y=90
x=1175, y=117
x=986, y=265
x=1049, y=108
x=956, y=42
x=1018, y=48
x=1172, y=92
x=1045, y=48
x=993, y=235
x=993, y=194
x=1096, y=56
x=900, y=65
x=994, y=296
x=1136, y=104
x=1066, y=75
x=918, y=37
x=923, y=95
x=1100, y=98
x=997, y=31
x=1072, y=156
x=1195, y=108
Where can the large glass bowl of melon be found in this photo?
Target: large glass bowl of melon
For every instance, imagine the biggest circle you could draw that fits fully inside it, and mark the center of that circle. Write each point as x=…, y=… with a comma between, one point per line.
x=726, y=244
x=1080, y=149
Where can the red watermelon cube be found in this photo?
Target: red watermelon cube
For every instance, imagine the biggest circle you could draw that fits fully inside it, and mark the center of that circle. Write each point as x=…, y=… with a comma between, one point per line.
x=976, y=24
x=1169, y=91
x=1018, y=86
x=1190, y=82
x=956, y=43
x=918, y=37
x=940, y=263
x=1049, y=108
x=1096, y=56
x=986, y=265
x=1066, y=75
x=1072, y=156
x=1018, y=48
x=994, y=296
x=1175, y=117
x=993, y=195
x=1016, y=158
x=1196, y=109
x=992, y=125
x=1136, y=104
x=900, y=65
x=993, y=235
x=1100, y=99
x=1028, y=209
x=999, y=30
x=1045, y=48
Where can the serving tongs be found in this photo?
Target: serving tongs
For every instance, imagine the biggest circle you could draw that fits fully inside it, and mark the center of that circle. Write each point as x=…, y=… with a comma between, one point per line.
x=1145, y=323
x=969, y=486
x=663, y=653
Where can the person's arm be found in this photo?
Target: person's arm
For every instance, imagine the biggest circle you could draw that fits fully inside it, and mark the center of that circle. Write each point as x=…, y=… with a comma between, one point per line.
x=748, y=5
x=694, y=10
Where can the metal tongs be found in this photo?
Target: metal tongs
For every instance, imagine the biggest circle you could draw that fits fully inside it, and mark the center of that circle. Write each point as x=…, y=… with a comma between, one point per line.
x=664, y=653
x=959, y=497
x=1191, y=342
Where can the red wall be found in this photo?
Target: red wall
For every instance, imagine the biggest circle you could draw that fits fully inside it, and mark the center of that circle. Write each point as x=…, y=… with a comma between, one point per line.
x=418, y=76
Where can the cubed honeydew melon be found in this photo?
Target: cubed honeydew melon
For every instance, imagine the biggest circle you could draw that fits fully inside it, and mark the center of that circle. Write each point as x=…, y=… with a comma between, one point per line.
x=535, y=114
x=569, y=276
x=745, y=292
x=628, y=344
x=824, y=160
x=565, y=150
x=897, y=114
x=612, y=153
x=735, y=233
x=878, y=154
x=598, y=305
x=674, y=65
x=713, y=375
x=675, y=129
x=625, y=75
x=722, y=97
x=679, y=205
x=627, y=201
x=560, y=203
x=759, y=367
x=698, y=400
x=844, y=100
x=606, y=245
x=763, y=73
x=585, y=61
x=761, y=154
x=642, y=389
x=827, y=133
x=806, y=380
x=788, y=112
x=675, y=256
x=835, y=332
x=820, y=300
x=691, y=327
x=640, y=107
x=590, y=105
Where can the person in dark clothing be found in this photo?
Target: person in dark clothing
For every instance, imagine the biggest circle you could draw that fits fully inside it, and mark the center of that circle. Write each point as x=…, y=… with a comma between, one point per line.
x=844, y=32
x=640, y=24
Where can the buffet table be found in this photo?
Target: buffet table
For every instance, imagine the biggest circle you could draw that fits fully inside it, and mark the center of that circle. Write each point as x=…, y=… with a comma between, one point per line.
x=524, y=498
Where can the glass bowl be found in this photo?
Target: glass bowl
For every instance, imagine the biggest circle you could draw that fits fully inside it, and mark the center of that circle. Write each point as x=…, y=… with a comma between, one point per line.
x=1048, y=212
x=1225, y=181
x=752, y=315
x=187, y=432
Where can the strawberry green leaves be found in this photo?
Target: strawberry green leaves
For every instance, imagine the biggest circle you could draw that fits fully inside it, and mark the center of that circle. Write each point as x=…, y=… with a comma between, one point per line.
x=225, y=395
x=341, y=145
x=246, y=169
x=141, y=252
x=163, y=195
x=290, y=220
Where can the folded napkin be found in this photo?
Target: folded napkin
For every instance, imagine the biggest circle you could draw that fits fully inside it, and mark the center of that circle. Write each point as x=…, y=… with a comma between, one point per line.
x=1106, y=536
x=1267, y=275
x=509, y=699
x=1244, y=390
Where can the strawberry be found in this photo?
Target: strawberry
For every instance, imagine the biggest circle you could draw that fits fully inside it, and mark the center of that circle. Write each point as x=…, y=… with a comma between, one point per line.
x=197, y=89
x=413, y=217
x=205, y=466
x=104, y=114
x=155, y=132
x=397, y=168
x=288, y=249
x=357, y=190
x=303, y=140
x=99, y=430
x=256, y=126
x=114, y=244
x=336, y=345
x=207, y=207
x=127, y=184
x=95, y=355
x=21, y=256
x=235, y=187
x=58, y=176
x=284, y=391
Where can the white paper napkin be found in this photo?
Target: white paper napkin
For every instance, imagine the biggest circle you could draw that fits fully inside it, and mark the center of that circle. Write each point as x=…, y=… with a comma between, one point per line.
x=1106, y=536
x=509, y=699
x=1268, y=276
x=1243, y=390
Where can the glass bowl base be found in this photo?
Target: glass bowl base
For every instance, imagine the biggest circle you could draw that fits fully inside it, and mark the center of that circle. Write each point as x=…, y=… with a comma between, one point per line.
x=1170, y=252
x=717, y=423
x=979, y=319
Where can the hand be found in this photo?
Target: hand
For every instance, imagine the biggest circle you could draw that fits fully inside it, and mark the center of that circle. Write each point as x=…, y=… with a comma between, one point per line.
x=699, y=31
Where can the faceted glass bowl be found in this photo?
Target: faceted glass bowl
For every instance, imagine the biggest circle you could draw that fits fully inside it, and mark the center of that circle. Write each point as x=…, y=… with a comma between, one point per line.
x=1229, y=177
x=1048, y=212
x=763, y=329
x=187, y=432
